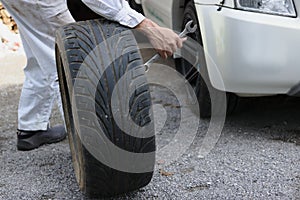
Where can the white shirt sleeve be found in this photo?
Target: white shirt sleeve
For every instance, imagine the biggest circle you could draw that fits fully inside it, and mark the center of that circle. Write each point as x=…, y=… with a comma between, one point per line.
x=116, y=10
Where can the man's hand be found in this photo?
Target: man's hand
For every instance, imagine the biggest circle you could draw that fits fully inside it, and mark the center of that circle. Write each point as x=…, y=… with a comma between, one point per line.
x=164, y=40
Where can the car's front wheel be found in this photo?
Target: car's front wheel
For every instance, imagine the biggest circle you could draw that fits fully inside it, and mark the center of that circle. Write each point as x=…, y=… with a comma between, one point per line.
x=200, y=81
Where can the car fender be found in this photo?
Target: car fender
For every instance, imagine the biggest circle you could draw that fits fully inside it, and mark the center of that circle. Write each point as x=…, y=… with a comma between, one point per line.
x=227, y=3
x=159, y=11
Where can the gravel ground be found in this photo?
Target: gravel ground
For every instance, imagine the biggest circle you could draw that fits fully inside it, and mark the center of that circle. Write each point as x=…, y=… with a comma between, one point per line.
x=257, y=156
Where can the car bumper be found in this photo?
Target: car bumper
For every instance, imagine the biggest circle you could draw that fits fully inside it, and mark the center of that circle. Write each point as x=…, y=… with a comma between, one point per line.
x=254, y=53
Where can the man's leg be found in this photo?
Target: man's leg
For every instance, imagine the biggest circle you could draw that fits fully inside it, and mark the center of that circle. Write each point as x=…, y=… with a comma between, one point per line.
x=38, y=21
x=37, y=96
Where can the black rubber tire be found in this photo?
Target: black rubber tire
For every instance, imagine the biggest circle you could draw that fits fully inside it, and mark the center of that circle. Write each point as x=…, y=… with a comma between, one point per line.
x=80, y=11
x=74, y=43
x=201, y=83
x=136, y=6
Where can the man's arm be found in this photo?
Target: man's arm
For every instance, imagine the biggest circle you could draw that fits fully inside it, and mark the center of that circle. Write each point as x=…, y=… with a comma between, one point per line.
x=164, y=40
x=116, y=10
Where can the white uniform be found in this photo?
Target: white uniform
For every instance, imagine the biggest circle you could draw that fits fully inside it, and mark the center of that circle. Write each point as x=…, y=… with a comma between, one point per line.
x=37, y=21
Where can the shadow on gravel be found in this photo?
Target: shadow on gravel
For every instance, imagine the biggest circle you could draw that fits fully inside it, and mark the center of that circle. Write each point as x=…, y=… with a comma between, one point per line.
x=278, y=116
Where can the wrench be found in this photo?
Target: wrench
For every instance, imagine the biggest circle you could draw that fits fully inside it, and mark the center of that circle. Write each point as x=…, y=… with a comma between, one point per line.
x=188, y=29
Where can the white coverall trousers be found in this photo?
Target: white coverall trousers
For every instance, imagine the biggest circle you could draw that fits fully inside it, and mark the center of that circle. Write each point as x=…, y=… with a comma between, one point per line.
x=38, y=21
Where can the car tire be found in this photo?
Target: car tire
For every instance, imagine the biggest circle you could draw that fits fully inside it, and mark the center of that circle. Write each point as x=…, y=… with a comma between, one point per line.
x=80, y=11
x=135, y=6
x=74, y=44
x=200, y=81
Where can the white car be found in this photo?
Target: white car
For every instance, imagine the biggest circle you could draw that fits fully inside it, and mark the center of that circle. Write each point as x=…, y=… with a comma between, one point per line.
x=253, y=44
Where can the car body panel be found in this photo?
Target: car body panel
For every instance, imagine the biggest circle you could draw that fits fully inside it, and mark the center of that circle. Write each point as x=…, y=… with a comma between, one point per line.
x=159, y=11
x=255, y=53
x=227, y=3
x=208, y=2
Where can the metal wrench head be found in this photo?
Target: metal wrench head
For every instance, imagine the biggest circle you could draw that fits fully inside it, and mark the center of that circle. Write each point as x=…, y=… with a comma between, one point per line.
x=189, y=28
